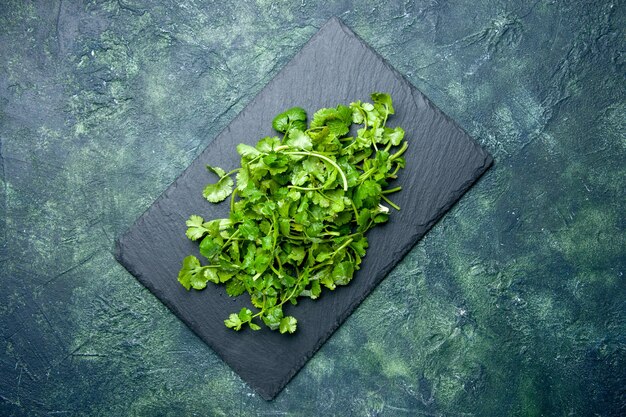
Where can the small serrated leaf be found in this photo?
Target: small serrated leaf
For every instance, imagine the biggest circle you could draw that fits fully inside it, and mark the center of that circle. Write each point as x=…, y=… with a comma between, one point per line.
x=247, y=151
x=216, y=170
x=233, y=322
x=288, y=324
x=299, y=140
x=195, y=227
x=243, y=177
x=219, y=191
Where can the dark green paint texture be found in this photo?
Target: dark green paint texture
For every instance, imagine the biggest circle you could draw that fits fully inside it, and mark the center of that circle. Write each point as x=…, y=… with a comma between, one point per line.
x=513, y=304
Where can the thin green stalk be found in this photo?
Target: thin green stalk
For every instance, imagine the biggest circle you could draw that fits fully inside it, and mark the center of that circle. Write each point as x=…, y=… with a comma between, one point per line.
x=305, y=188
x=343, y=246
x=391, y=190
x=391, y=203
x=403, y=148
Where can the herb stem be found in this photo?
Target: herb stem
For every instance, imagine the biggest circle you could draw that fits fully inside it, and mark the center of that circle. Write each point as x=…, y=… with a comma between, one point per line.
x=391, y=190
x=395, y=171
x=230, y=238
x=340, y=248
x=232, y=201
x=305, y=188
x=295, y=287
x=356, y=213
x=318, y=266
x=403, y=148
x=366, y=174
x=391, y=203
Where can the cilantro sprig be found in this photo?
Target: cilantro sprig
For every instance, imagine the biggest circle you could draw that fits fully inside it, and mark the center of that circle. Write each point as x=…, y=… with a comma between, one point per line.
x=300, y=210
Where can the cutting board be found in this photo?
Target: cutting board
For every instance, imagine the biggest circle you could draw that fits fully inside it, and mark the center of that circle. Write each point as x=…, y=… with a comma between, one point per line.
x=334, y=67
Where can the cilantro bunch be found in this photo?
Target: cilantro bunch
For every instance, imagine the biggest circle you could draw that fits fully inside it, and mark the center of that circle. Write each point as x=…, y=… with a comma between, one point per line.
x=300, y=210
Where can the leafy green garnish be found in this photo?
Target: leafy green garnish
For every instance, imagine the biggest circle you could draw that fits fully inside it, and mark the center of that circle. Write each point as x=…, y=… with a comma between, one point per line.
x=300, y=211
x=220, y=190
x=294, y=118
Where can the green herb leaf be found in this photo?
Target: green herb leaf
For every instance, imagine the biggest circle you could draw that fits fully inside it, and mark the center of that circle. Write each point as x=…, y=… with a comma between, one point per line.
x=299, y=140
x=273, y=317
x=233, y=321
x=342, y=273
x=301, y=209
x=295, y=117
x=192, y=274
x=209, y=247
x=384, y=100
x=196, y=228
x=235, y=287
x=247, y=151
x=288, y=324
x=217, y=192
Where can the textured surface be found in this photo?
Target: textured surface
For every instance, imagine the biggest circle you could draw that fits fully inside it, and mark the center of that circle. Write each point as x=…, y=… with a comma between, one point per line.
x=513, y=304
x=442, y=163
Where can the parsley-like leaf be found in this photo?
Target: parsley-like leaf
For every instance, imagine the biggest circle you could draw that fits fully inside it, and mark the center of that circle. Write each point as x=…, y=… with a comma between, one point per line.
x=300, y=211
x=295, y=117
x=288, y=324
x=195, y=228
x=192, y=274
x=233, y=321
x=384, y=100
x=217, y=192
x=299, y=140
x=247, y=151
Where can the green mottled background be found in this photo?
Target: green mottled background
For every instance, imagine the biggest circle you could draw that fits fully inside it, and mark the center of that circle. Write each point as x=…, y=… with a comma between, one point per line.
x=514, y=304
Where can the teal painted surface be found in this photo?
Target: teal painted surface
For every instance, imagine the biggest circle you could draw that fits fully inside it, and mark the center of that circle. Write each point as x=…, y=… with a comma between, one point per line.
x=514, y=304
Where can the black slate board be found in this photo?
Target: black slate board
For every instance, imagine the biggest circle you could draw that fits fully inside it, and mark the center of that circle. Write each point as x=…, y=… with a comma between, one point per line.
x=334, y=67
